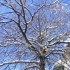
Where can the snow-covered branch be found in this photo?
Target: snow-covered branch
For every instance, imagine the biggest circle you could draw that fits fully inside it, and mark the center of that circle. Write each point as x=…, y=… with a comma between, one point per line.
x=59, y=39
x=19, y=61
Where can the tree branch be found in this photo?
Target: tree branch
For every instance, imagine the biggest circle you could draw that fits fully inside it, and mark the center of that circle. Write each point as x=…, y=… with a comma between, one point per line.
x=19, y=61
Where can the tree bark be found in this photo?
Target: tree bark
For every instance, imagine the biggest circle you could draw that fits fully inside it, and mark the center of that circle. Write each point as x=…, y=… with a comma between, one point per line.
x=42, y=63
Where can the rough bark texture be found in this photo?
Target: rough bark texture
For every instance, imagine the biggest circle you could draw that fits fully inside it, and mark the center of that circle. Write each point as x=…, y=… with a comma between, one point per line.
x=42, y=63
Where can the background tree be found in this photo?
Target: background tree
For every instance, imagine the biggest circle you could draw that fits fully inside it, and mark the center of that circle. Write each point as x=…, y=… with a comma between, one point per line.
x=32, y=33
x=59, y=67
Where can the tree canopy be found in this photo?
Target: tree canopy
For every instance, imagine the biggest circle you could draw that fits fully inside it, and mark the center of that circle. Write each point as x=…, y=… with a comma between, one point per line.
x=33, y=33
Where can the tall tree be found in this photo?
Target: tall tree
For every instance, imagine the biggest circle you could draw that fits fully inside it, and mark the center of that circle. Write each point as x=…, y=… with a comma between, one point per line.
x=32, y=32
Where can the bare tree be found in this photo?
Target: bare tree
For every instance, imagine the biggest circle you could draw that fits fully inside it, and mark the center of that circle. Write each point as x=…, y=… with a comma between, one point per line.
x=35, y=30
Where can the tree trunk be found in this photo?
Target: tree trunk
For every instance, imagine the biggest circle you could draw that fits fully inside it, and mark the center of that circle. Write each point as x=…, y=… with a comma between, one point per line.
x=42, y=63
